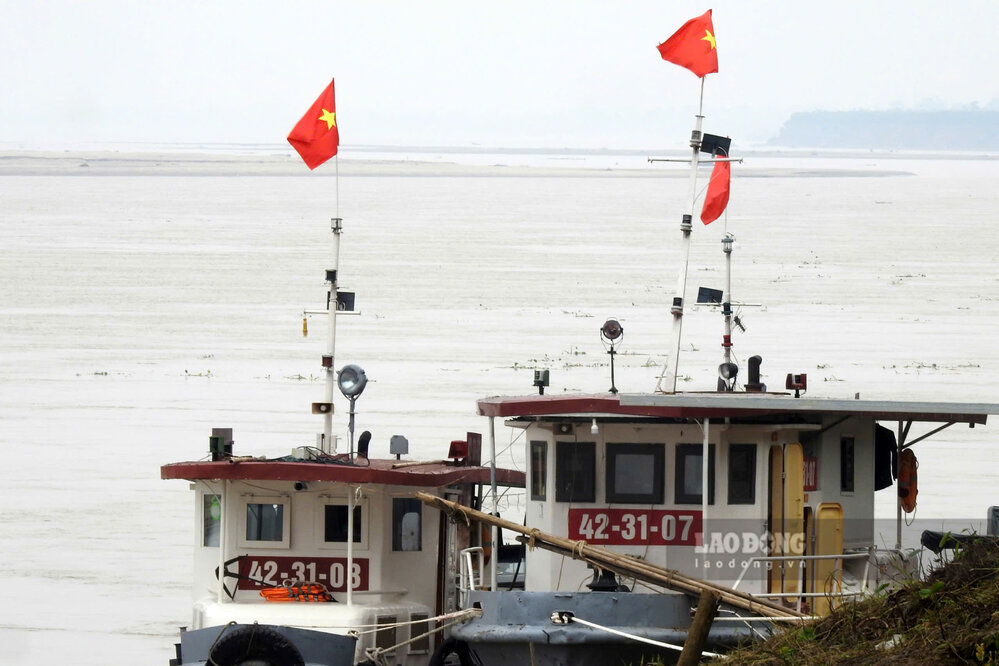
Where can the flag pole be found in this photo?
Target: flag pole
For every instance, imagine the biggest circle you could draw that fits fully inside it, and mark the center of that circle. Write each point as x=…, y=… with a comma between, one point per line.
x=328, y=444
x=316, y=140
x=336, y=226
x=667, y=383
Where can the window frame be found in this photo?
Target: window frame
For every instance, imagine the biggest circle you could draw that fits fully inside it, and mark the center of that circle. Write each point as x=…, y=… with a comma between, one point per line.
x=539, y=473
x=217, y=522
x=285, y=502
x=361, y=506
x=732, y=449
x=683, y=451
x=658, y=453
x=847, y=464
x=397, y=539
x=587, y=451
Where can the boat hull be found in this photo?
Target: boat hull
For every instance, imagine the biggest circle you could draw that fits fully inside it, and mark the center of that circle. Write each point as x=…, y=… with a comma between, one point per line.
x=516, y=627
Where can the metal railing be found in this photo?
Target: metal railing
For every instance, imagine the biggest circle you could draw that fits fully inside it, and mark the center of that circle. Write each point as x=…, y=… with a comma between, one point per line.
x=839, y=557
x=466, y=574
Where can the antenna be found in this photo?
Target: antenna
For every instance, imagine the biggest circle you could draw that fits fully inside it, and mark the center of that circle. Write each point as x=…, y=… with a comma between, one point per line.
x=728, y=370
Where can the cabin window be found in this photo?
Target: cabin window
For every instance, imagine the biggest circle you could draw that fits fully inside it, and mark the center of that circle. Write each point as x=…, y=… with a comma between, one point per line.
x=539, y=469
x=211, y=519
x=846, y=464
x=407, y=524
x=742, y=474
x=689, y=473
x=335, y=523
x=635, y=473
x=575, y=471
x=266, y=524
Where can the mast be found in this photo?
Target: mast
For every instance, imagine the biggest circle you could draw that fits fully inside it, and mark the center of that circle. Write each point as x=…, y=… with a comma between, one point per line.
x=667, y=383
x=326, y=443
x=727, y=241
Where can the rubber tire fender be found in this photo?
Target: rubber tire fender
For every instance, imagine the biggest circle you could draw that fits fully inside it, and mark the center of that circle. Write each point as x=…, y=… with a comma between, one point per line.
x=257, y=645
x=458, y=648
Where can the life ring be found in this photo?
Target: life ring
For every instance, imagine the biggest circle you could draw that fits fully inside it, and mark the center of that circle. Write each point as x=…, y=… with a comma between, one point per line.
x=294, y=591
x=907, y=481
x=453, y=646
x=254, y=644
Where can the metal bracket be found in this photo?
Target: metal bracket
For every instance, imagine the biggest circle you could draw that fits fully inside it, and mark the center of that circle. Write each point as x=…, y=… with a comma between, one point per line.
x=562, y=617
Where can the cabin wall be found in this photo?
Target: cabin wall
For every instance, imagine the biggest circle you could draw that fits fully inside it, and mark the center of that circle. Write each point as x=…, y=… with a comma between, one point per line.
x=858, y=503
x=408, y=575
x=547, y=571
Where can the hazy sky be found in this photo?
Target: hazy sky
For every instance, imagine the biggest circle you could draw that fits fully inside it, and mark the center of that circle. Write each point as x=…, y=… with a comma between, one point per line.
x=575, y=73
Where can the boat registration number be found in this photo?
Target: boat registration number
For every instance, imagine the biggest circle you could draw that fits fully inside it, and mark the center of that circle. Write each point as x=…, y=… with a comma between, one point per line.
x=640, y=527
x=256, y=572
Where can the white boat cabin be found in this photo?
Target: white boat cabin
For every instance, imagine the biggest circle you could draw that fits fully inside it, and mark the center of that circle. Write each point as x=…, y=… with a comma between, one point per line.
x=790, y=504
x=349, y=525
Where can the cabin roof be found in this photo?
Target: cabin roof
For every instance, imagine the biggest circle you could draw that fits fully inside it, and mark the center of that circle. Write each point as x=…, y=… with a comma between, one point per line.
x=735, y=405
x=433, y=474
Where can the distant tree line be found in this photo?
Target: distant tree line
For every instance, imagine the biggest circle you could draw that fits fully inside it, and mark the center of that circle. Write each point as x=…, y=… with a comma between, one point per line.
x=892, y=130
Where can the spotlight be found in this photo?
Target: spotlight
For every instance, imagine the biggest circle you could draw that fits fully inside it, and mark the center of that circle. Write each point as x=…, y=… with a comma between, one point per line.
x=351, y=381
x=610, y=334
x=727, y=373
x=594, y=429
x=611, y=330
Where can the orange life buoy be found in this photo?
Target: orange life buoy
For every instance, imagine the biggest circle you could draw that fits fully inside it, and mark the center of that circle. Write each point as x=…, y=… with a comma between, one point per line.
x=297, y=592
x=907, y=486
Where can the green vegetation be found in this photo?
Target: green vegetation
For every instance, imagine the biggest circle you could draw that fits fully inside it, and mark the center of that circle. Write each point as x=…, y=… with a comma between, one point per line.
x=952, y=617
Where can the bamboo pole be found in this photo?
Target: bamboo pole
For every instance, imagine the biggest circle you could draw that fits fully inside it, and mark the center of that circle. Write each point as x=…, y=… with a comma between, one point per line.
x=671, y=579
x=616, y=562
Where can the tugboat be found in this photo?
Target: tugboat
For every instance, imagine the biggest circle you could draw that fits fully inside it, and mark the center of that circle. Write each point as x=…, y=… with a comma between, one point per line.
x=325, y=557
x=635, y=502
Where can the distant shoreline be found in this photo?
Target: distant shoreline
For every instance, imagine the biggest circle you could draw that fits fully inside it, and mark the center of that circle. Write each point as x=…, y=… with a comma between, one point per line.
x=80, y=164
x=392, y=161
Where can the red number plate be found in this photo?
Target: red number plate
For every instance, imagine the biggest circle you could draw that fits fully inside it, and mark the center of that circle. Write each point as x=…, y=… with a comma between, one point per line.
x=262, y=571
x=635, y=527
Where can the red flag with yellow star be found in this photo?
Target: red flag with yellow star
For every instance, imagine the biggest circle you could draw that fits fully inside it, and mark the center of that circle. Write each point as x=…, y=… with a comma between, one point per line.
x=693, y=46
x=316, y=136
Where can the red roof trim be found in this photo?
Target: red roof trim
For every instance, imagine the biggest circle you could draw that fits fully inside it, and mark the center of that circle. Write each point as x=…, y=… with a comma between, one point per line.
x=430, y=475
x=546, y=405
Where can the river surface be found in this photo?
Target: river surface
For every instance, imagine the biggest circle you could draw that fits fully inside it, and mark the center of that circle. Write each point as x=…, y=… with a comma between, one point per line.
x=148, y=299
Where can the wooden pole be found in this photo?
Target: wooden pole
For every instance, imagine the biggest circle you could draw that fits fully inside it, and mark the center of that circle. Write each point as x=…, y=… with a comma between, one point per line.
x=697, y=635
x=674, y=580
x=616, y=562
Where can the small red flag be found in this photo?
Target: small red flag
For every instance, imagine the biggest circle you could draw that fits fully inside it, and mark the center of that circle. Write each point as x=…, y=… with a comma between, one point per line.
x=717, y=196
x=693, y=46
x=316, y=136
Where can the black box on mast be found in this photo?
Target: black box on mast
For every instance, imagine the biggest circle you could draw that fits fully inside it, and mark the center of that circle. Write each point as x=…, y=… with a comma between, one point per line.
x=713, y=145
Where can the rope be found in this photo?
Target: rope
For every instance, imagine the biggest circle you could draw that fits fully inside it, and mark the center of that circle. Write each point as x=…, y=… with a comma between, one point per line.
x=641, y=639
x=459, y=616
x=375, y=654
x=211, y=661
x=459, y=509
